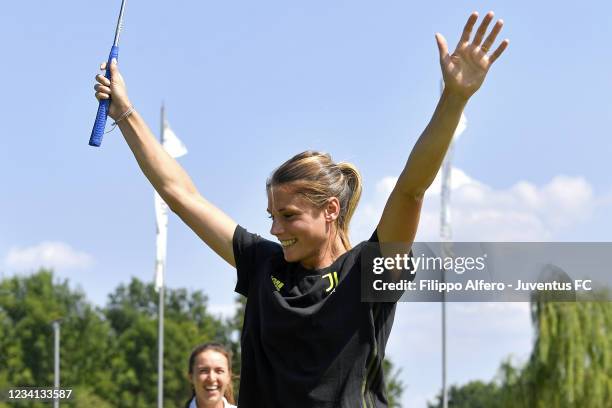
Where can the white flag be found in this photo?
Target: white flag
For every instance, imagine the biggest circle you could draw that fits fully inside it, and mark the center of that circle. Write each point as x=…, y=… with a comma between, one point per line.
x=462, y=121
x=172, y=144
x=161, y=221
x=175, y=148
x=461, y=126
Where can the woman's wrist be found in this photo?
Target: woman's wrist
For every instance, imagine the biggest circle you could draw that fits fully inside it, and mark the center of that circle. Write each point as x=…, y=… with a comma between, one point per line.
x=126, y=120
x=121, y=108
x=454, y=98
x=124, y=115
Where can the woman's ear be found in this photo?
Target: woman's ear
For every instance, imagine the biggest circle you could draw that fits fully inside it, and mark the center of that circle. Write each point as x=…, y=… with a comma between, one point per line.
x=332, y=209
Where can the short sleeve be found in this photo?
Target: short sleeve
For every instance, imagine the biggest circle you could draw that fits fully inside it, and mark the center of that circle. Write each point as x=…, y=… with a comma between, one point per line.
x=250, y=252
x=374, y=250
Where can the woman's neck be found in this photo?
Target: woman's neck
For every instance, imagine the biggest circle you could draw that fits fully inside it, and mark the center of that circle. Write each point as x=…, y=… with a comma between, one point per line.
x=332, y=251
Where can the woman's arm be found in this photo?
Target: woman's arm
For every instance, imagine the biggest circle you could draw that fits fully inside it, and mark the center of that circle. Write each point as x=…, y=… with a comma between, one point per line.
x=168, y=178
x=464, y=72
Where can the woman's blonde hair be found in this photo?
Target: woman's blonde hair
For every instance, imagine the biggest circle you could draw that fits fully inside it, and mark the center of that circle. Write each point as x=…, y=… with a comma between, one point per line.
x=315, y=176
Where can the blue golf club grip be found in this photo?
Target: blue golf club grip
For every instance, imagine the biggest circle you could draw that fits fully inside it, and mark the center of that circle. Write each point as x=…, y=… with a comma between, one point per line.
x=98, y=130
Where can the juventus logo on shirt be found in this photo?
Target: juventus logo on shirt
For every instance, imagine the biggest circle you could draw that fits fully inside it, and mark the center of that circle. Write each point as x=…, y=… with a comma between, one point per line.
x=333, y=280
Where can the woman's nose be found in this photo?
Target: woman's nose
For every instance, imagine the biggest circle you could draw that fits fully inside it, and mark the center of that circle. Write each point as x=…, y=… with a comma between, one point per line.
x=276, y=228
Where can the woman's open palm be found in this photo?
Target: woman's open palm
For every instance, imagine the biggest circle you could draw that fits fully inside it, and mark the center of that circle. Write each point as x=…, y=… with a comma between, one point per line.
x=465, y=69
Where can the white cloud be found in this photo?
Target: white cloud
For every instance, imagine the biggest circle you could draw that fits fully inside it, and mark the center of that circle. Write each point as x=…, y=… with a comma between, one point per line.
x=52, y=254
x=479, y=335
x=523, y=212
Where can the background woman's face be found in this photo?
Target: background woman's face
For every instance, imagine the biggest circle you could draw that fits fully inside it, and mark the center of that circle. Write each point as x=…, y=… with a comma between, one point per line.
x=210, y=377
x=300, y=227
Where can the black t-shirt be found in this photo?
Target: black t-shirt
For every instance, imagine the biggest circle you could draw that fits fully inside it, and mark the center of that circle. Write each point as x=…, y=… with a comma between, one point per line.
x=307, y=339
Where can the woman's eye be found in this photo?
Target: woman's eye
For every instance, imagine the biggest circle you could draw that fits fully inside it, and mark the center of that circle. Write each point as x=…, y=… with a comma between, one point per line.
x=270, y=216
x=287, y=216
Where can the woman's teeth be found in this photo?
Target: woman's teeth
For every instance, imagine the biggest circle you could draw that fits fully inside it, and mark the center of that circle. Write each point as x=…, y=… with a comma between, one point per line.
x=212, y=388
x=288, y=242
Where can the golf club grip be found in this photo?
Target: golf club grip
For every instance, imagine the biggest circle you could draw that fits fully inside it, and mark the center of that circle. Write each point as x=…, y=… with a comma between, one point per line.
x=98, y=130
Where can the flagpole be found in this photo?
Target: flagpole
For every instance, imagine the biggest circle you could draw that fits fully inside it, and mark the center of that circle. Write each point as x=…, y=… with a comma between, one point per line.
x=160, y=357
x=445, y=237
x=446, y=233
x=175, y=148
x=56, y=359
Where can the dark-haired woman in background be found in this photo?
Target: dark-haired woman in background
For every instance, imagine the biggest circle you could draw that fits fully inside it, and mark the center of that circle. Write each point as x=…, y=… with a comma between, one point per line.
x=210, y=375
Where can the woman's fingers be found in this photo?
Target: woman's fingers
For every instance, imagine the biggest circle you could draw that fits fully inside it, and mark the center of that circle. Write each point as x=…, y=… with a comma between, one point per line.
x=488, y=42
x=100, y=96
x=480, y=35
x=502, y=47
x=102, y=88
x=442, y=46
x=482, y=29
x=467, y=30
x=103, y=80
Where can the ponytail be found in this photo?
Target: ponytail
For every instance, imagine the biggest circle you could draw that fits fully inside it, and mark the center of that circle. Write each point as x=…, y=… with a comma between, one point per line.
x=353, y=185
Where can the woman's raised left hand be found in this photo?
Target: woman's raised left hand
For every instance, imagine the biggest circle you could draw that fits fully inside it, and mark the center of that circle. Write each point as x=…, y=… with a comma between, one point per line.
x=465, y=69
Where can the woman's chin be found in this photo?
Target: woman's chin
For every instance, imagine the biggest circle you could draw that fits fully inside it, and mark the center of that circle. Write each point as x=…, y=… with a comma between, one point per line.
x=290, y=254
x=212, y=396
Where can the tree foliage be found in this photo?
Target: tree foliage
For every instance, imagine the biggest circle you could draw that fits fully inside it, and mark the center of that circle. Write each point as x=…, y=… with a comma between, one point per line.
x=570, y=365
x=132, y=313
x=475, y=394
x=27, y=308
x=109, y=354
x=394, y=386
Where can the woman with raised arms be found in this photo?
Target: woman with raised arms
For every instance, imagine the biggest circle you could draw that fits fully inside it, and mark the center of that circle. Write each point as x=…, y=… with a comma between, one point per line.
x=307, y=340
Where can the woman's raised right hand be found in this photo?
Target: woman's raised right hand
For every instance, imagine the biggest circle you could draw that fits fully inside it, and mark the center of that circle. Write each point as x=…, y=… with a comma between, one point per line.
x=115, y=88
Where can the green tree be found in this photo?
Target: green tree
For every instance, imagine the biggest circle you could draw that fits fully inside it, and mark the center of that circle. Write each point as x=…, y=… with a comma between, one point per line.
x=109, y=355
x=571, y=363
x=394, y=386
x=474, y=394
x=132, y=312
x=235, y=329
x=28, y=305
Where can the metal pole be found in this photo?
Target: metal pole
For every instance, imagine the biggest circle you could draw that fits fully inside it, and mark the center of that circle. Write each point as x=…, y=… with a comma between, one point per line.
x=160, y=368
x=445, y=235
x=119, y=24
x=56, y=361
x=160, y=357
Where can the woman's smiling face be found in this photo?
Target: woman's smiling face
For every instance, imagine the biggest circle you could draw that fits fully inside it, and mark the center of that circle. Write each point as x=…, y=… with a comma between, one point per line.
x=303, y=230
x=210, y=377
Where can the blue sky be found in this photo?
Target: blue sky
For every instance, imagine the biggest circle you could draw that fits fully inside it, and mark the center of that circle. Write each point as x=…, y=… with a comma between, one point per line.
x=246, y=85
